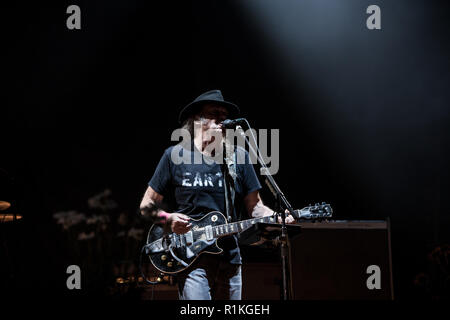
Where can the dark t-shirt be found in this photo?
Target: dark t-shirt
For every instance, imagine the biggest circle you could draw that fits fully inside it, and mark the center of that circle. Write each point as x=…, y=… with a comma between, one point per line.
x=195, y=188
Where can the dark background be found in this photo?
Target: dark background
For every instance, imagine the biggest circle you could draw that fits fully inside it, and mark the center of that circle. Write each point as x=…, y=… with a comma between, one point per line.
x=363, y=114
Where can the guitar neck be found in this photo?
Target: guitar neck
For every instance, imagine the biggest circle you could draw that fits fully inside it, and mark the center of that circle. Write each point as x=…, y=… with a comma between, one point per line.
x=236, y=227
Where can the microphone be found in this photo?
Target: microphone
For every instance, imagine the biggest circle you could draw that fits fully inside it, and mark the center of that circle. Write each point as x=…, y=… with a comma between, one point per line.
x=231, y=124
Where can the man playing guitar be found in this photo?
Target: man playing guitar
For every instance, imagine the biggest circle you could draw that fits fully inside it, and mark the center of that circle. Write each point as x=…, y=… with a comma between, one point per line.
x=194, y=189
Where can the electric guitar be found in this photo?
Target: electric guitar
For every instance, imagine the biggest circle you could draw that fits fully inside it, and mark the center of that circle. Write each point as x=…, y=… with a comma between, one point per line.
x=172, y=253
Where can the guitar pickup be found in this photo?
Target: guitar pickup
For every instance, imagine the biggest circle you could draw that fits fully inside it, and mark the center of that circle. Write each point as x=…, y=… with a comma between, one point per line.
x=209, y=233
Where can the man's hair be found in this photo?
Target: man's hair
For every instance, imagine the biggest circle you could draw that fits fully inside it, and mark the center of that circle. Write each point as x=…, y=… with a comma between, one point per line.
x=188, y=125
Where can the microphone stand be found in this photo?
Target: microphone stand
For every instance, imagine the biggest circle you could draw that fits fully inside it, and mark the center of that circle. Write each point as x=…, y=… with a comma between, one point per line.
x=281, y=202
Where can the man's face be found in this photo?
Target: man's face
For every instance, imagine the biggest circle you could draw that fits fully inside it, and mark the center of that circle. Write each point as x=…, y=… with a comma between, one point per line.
x=210, y=119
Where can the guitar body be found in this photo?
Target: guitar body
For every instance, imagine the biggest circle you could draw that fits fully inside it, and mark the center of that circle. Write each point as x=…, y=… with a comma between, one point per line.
x=174, y=253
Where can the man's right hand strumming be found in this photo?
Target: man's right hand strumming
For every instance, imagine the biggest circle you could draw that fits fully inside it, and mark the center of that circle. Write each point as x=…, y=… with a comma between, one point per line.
x=179, y=223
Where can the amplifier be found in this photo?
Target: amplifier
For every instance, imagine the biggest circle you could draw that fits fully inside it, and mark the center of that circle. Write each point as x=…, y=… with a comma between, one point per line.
x=342, y=260
x=329, y=260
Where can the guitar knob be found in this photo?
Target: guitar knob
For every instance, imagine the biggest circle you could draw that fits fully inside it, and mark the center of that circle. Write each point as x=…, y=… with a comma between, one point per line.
x=163, y=257
x=170, y=264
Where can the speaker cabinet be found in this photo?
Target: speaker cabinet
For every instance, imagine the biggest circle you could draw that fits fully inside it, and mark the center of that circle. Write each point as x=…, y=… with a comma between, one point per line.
x=342, y=260
x=329, y=260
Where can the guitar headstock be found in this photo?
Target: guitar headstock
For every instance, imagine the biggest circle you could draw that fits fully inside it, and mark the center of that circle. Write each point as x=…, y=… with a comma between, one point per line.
x=317, y=211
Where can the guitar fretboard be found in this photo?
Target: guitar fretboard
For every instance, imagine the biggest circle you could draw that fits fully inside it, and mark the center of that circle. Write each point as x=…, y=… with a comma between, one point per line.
x=236, y=227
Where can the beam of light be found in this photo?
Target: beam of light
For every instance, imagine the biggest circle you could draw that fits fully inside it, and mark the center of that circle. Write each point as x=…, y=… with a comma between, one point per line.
x=369, y=90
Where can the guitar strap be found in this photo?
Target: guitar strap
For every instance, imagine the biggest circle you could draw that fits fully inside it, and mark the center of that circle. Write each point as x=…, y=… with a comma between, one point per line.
x=229, y=179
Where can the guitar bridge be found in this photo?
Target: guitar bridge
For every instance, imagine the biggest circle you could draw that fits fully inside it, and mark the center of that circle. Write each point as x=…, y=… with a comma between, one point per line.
x=189, y=238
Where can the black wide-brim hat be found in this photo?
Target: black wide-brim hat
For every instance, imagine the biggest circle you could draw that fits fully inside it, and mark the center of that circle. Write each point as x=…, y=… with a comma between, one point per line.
x=213, y=96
